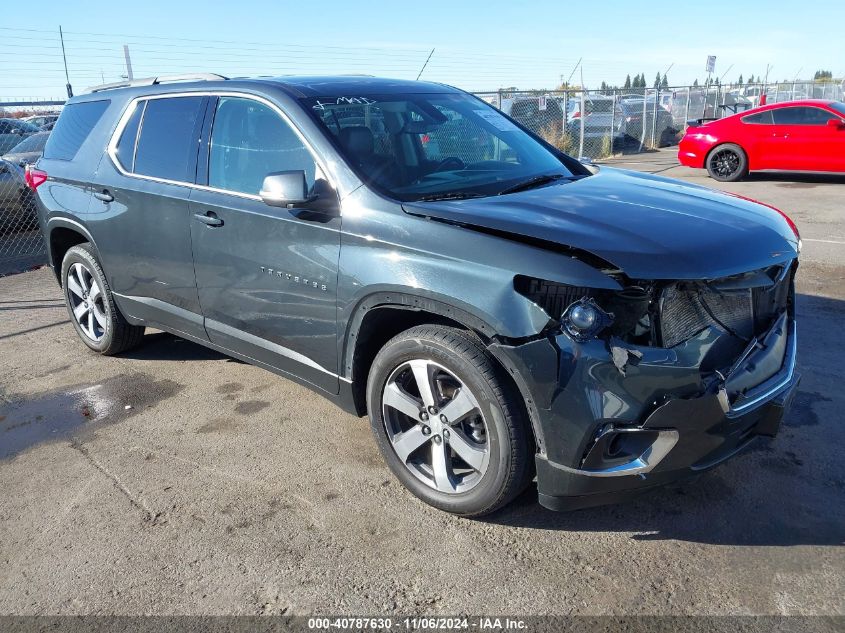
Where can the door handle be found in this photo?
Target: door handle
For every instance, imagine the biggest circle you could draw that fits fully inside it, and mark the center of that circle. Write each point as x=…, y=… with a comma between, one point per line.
x=103, y=196
x=209, y=218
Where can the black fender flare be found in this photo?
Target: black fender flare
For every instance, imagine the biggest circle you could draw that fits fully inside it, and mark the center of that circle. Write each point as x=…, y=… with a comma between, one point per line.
x=403, y=300
x=56, y=222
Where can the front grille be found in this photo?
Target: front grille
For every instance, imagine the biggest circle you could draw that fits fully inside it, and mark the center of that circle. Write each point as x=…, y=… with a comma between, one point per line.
x=686, y=308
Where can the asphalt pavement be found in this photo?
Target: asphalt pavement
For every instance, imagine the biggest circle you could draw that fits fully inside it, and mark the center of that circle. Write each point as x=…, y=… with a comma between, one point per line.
x=175, y=480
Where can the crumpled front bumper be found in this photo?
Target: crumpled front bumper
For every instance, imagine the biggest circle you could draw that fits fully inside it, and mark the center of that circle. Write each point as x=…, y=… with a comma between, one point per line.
x=606, y=431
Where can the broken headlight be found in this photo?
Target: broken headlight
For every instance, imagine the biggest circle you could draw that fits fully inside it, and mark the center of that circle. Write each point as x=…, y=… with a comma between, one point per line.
x=625, y=313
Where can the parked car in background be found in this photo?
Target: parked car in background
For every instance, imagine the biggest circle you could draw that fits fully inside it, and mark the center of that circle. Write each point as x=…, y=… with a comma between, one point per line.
x=17, y=203
x=27, y=151
x=13, y=131
x=783, y=95
x=753, y=93
x=806, y=135
x=41, y=120
x=657, y=119
x=602, y=117
x=537, y=114
x=502, y=316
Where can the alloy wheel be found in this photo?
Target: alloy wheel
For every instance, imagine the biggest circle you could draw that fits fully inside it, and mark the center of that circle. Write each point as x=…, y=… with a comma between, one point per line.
x=435, y=426
x=86, y=301
x=725, y=163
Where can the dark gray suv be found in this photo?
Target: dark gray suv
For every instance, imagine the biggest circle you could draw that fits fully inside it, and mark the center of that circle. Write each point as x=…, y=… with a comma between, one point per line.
x=501, y=311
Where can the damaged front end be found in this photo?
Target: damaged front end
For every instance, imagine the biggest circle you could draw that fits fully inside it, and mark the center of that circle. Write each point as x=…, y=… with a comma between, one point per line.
x=634, y=388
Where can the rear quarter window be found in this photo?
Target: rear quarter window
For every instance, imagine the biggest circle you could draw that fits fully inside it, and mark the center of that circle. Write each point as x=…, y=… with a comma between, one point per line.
x=73, y=127
x=761, y=118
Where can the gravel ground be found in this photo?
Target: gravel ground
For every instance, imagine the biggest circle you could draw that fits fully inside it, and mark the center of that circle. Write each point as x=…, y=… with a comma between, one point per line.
x=174, y=480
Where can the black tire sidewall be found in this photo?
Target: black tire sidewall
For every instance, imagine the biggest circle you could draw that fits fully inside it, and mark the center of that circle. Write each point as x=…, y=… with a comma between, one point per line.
x=740, y=172
x=82, y=255
x=486, y=493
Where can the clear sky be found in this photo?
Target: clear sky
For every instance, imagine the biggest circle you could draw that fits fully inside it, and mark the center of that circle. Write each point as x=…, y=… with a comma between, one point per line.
x=479, y=45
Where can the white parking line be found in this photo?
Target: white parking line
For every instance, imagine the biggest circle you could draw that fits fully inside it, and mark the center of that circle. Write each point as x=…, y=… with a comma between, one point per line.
x=808, y=239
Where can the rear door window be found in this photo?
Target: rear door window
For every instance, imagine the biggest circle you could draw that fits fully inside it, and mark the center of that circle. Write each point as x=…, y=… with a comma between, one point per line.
x=169, y=138
x=73, y=127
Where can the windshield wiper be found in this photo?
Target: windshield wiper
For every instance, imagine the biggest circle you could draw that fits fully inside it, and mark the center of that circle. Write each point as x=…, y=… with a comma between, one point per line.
x=531, y=183
x=449, y=195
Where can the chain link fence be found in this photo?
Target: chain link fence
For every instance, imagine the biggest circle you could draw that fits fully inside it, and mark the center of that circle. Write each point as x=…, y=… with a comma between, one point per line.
x=21, y=244
x=600, y=123
x=585, y=123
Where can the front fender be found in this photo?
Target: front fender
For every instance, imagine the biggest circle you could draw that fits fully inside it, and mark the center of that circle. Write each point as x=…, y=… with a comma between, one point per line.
x=396, y=258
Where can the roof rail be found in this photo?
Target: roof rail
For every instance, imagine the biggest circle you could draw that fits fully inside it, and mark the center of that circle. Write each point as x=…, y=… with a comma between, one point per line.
x=161, y=79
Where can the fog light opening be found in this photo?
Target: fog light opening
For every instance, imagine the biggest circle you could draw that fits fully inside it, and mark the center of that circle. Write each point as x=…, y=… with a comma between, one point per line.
x=584, y=319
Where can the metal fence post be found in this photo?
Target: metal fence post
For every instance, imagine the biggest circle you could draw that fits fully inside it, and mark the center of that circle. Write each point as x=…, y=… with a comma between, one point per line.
x=689, y=98
x=582, y=117
x=654, y=117
x=645, y=114
x=612, y=121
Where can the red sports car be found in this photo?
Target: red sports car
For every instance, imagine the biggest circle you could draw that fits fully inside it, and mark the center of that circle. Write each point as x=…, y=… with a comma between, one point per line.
x=806, y=135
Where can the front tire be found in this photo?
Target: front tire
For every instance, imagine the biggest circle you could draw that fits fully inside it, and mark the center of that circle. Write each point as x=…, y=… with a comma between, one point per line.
x=91, y=305
x=448, y=422
x=727, y=163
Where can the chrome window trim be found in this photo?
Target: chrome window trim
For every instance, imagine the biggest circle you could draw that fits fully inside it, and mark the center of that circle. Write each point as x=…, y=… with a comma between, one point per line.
x=111, y=149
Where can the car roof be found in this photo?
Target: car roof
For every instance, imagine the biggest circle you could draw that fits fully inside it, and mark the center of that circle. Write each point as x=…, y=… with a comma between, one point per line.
x=799, y=102
x=347, y=85
x=296, y=86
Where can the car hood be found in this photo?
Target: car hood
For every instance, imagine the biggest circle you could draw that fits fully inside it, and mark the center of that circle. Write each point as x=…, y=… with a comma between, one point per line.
x=648, y=226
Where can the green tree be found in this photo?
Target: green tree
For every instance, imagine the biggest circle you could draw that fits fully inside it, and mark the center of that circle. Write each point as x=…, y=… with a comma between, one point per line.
x=739, y=81
x=695, y=83
x=627, y=85
x=823, y=75
x=664, y=83
x=657, y=80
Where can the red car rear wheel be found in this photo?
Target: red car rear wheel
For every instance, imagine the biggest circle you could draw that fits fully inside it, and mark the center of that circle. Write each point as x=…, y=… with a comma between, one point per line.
x=727, y=162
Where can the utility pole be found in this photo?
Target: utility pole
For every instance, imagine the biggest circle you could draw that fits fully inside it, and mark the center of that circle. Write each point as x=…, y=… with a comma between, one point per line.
x=64, y=57
x=129, y=75
x=425, y=64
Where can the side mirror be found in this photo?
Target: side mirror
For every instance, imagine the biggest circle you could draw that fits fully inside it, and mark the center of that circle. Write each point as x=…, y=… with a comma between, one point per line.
x=836, y=124
x=285, y=189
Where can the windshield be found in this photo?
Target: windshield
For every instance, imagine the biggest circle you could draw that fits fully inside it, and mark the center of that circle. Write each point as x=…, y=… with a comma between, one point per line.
x=428, y=146
x=839, y=107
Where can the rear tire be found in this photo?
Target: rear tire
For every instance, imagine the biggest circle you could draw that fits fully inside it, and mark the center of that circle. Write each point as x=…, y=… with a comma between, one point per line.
x=727, y=163
x=469, y=452
x=91, y=306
